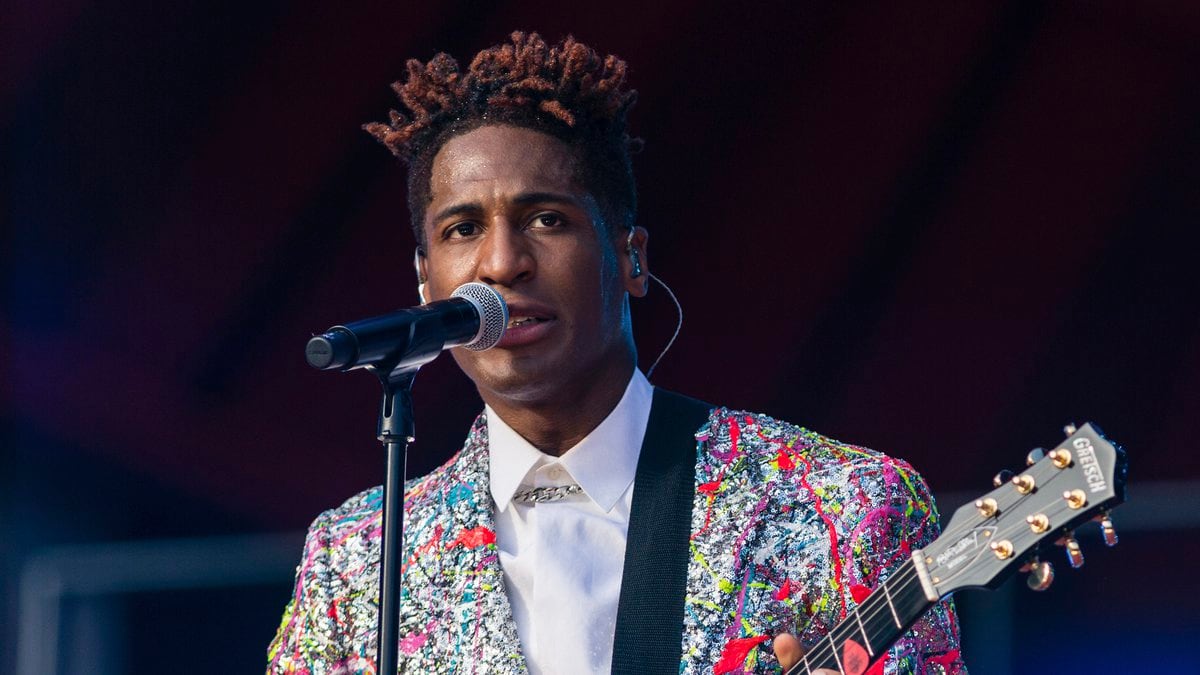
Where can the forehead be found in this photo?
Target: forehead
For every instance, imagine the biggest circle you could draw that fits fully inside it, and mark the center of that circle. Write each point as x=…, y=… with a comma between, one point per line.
x=493, y=161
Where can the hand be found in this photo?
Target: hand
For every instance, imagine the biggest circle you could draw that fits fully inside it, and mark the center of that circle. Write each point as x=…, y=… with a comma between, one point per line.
x=789, y=651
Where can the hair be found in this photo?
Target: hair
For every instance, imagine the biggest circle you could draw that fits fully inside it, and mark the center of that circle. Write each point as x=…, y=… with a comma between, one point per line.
x=567, y=91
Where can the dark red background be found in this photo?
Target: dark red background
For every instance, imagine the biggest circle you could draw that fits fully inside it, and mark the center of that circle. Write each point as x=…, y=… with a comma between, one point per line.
x=940, y=230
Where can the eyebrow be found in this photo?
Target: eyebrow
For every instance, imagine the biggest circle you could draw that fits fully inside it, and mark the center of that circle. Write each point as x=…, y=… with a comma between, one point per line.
x=523, y=199
x=544, y=198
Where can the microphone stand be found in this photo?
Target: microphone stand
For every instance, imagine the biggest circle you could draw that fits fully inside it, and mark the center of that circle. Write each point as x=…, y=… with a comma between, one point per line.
x=393, y=347
x=395, y=431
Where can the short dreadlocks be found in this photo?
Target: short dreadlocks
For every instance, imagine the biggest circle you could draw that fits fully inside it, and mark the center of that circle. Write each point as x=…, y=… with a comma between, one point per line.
x=567, y=91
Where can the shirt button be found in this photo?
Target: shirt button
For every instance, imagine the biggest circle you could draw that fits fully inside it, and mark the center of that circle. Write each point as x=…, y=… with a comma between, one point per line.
x=556, y=472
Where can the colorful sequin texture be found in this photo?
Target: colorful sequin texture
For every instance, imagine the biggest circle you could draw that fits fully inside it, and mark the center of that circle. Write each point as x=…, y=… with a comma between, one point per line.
x=789, y=531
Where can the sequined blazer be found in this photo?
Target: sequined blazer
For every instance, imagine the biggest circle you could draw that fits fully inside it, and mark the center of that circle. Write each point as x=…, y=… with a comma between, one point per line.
x=788, y=531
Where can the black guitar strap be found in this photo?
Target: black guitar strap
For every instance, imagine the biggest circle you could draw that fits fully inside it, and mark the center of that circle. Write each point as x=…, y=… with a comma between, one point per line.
x=650, y=610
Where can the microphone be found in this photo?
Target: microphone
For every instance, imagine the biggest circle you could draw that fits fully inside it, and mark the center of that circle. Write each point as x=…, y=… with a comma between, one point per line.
x=474, y=317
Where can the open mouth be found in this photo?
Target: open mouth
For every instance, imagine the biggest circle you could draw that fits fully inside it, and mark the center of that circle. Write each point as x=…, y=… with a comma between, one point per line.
x=528, y=323
x=518, y=321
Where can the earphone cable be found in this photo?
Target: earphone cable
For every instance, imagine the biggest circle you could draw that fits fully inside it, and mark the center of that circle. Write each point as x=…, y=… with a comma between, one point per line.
x=678, y=324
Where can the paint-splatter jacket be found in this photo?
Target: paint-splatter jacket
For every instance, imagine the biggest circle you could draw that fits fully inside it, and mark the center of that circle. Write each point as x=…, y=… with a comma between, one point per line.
x=789, y=530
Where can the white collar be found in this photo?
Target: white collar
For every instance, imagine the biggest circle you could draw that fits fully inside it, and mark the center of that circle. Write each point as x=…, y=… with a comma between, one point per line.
x=603, y=463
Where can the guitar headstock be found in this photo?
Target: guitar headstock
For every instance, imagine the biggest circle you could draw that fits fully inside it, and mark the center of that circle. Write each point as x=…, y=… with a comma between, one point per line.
x=1014, y=525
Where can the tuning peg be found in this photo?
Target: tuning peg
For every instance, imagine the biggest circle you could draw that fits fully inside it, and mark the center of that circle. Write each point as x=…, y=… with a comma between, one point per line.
x=1074, y=553
x=1076, y=499
x=1069, y=429
x=1001, y=478
x=1035, y=455
x=1038, y=522
x=1106, y=527
x=1003, y=549
x=1061, y=457
x=1024, y=483
x=1041, y=575
x=987, y=507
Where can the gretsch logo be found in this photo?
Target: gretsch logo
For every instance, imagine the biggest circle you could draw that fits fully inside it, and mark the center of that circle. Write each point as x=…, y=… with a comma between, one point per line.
x=956, y=554
x=1091, y=468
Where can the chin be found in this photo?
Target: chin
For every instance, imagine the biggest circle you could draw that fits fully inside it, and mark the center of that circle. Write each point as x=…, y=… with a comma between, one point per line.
x=498, y=373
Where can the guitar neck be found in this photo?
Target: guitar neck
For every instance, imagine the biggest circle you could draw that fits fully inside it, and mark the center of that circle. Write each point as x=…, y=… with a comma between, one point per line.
x=869, y=629
x=1078, y=481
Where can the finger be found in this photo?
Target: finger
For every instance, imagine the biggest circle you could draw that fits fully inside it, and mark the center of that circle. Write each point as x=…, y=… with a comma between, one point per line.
x=788, y=651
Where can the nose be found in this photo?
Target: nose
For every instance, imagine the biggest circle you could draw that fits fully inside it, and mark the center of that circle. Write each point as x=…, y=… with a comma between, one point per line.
x=505, y=257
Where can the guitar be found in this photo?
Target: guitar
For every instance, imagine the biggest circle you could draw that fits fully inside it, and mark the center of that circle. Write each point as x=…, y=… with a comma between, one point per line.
x=1010, y=528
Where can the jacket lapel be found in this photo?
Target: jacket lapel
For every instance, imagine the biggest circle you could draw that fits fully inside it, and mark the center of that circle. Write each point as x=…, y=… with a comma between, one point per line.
x=475, y=626
x=650, y=611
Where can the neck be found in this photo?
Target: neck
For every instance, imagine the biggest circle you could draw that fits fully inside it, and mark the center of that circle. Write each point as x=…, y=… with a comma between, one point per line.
x=555, y=424
x=870, y=628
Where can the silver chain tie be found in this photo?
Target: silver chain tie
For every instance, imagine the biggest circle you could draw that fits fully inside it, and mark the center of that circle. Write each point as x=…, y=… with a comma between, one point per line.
x=553, y=493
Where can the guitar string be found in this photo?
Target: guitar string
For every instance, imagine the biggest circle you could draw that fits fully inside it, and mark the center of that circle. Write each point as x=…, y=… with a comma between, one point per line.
x=902, y=582
x=822, y=653
x=1056, y=508
x=825, y=653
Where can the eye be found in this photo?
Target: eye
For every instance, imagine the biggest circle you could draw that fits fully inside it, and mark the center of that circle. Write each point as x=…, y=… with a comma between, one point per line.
x=459, y=230
x=547, y=220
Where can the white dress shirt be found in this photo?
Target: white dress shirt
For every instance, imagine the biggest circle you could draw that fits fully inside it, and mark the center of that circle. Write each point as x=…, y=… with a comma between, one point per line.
x=562, y=560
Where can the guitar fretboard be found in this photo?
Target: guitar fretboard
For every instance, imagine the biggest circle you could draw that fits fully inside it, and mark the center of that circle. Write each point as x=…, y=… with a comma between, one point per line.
x=870, y=628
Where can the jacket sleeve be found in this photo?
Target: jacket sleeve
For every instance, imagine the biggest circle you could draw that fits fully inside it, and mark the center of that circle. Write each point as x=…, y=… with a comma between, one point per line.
x=932, y=644
x=307, y=639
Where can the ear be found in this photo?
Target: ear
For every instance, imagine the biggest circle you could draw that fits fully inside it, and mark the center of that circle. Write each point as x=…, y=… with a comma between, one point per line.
x=633, y=248
x=420, y=265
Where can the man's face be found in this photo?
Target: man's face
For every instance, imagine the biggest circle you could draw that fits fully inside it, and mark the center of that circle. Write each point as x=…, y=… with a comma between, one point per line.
x=507, y=211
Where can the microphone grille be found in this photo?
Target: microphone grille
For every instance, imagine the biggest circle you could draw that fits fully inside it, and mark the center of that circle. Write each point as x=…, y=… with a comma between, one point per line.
x=493, y=314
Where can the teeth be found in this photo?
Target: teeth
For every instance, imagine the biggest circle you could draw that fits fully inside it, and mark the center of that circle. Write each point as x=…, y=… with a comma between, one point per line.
x=522, y=321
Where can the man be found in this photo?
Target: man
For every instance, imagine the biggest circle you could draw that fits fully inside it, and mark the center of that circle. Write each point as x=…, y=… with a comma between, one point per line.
x=590, y=523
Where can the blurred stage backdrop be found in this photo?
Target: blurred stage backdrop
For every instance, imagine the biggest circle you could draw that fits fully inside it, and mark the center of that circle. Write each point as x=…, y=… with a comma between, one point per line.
x=939, y=230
